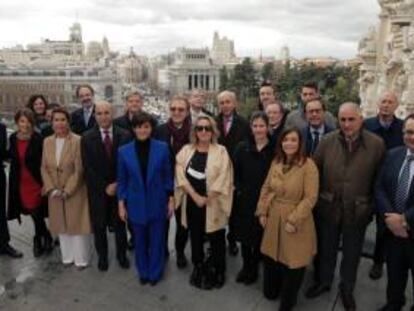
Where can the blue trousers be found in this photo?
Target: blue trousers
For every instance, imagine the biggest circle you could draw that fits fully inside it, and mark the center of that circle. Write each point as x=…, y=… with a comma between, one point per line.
x=150, y=249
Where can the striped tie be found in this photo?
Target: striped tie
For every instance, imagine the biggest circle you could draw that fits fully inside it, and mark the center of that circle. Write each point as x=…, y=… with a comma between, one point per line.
x=404, y=182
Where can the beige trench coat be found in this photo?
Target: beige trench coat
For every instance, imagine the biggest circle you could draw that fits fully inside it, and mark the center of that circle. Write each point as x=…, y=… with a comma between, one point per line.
x=70, y=216
x=219, y=179
x=289, y=197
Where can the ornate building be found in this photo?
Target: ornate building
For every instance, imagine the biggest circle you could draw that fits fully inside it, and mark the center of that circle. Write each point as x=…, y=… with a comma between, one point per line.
x=387, y=52
x=191, y=69
x=223, y=50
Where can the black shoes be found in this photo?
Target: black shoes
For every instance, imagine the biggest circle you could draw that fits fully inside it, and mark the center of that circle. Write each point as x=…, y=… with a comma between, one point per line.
x=247, y=276
x=389, y=307
x=316, y=290
x=348, y=299
x=143, y=281
x=8, y=250
x=37, y=246
x=181, y=261
x=123, y=262
x=233, y=248
x=241, y=276
x=196, y=276
x=376, y=271
x=48, y=243
x=103, y=264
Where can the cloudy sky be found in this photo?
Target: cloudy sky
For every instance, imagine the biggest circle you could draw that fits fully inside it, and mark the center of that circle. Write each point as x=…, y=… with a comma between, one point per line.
x=308, y=27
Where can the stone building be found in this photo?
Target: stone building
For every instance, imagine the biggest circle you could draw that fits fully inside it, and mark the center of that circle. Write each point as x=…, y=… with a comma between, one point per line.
x=190, y=69
x=387, y=53
x=222, y=50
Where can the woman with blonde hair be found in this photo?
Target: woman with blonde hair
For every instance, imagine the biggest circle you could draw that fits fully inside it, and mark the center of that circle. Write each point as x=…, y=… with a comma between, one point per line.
x=204, y=190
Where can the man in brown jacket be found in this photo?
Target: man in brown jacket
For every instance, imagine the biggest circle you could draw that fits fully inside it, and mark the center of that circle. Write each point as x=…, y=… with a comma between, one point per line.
x=348, y=160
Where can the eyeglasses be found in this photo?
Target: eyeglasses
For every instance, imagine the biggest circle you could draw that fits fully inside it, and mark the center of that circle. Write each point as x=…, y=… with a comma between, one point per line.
x=174, y=109
x=200, y=128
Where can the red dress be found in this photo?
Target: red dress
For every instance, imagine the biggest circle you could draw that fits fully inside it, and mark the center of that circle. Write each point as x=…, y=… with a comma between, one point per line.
x=30, y=189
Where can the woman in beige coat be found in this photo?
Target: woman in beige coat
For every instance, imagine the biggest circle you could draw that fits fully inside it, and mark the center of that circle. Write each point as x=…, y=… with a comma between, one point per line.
x=64, y=185
x=285, y=212
x=204, y=190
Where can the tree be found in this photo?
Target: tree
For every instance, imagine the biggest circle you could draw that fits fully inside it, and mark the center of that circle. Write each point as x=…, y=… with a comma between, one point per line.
x=268, y=72
x=224, y=78
x=244, y=80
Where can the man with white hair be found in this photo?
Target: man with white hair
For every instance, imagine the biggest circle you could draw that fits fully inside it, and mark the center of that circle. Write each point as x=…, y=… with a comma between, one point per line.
x=344, y=207
x=99, y=150
x=387, y=126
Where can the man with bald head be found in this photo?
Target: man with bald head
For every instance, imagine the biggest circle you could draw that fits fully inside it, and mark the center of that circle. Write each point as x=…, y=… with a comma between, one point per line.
x=99, y=148
x=348, y=159
x=387, y=126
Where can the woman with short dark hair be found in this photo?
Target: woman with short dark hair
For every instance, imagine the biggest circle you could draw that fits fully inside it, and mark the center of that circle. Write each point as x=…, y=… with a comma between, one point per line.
x=285, y=212
x=145, y=196
x=25, y=181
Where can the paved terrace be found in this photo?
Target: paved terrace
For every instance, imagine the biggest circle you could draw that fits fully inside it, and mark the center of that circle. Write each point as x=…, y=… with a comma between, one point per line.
x=44, y=284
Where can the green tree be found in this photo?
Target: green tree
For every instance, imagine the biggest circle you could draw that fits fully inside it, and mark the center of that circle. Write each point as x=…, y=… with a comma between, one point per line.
x=268, y=72
x=224, y=78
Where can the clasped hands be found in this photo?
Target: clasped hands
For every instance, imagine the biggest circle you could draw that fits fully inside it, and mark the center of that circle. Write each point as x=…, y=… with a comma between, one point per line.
x=289, y=228
x=58, y=194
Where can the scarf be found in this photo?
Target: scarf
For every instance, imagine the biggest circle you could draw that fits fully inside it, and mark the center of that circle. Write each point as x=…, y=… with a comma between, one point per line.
x=179, y=136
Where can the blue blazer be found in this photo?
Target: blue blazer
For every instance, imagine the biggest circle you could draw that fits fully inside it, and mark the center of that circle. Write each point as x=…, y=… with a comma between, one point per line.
x=146, y=200
x=386, y=185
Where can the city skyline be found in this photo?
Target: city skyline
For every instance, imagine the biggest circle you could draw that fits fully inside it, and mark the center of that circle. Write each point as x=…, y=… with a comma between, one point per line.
x=159, y=26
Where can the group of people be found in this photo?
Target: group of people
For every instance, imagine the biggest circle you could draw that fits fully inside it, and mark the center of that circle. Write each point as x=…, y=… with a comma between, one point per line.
x=291, y=187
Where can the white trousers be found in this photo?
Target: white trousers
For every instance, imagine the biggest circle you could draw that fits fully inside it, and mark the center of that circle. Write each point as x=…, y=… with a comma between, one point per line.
x=76, y=249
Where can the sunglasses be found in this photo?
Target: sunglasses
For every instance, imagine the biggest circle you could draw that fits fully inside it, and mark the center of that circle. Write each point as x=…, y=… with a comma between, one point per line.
x=200, y=128
x=174, y=109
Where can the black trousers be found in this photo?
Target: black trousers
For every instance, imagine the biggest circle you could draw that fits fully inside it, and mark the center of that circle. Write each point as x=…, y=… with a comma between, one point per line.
x=251, y=255
x=400, y=260
x=278, y=279
x=329, y=236
x=4, y=230
x=39, y=223
x=379, y=251
x=196, y=219
x=181, y=233
x=101, y=239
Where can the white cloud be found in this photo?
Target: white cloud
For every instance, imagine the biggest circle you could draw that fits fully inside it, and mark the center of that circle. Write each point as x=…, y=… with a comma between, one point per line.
x=309, y=27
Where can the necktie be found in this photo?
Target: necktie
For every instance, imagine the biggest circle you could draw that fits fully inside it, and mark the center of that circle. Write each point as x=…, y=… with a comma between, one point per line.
x=315, y=141
x=403, y=187
x=86, y=115
x=226, y=125
x=108, y=143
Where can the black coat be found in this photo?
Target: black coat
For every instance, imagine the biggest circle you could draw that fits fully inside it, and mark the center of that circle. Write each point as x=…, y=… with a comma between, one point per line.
x=250, y=170
x=125, y=123
x=33, y=161
x=77, y=122
x=100, y=171
x=393, y=136
x=4, y=231
x=239, y=131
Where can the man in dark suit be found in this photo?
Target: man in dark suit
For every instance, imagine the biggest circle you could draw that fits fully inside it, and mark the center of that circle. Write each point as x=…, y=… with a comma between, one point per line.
x=387, y=126
x=277, y=115
x=197, y=101
x=394, y=195
x=83, y=118
x=5, y=247
x=233, y=129
x=133, y=105
x=317, y=127
x=99, y=157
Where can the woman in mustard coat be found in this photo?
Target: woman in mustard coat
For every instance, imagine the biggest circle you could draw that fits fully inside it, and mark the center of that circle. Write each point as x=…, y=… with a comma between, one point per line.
x=285, y=212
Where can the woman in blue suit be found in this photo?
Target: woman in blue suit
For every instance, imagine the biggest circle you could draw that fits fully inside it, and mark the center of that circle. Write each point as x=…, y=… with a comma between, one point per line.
x=145, y=195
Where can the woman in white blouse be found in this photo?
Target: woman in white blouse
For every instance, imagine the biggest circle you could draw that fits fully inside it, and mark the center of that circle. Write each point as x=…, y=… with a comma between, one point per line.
x=62, y=175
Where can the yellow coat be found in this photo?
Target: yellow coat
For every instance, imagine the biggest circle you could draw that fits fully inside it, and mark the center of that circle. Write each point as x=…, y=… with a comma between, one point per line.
x=289, y=197
x=72, y=216
x=219, y=178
